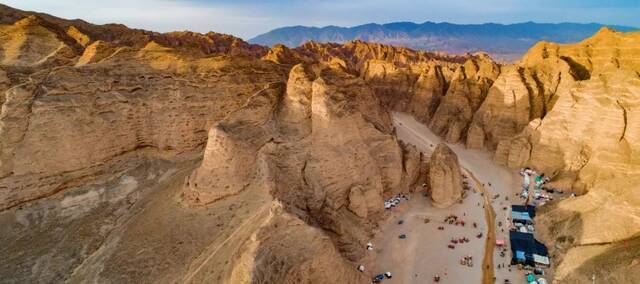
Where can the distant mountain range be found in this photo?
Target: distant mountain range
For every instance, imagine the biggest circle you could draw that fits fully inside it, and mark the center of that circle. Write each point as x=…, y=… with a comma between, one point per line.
x=505, y=42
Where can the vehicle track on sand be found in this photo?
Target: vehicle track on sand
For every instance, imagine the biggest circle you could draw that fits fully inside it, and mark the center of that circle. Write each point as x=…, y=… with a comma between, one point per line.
x=488, y=272
x=429, y=142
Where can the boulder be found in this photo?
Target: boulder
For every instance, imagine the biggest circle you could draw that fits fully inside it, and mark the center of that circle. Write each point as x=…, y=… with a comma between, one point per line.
x=445, y=177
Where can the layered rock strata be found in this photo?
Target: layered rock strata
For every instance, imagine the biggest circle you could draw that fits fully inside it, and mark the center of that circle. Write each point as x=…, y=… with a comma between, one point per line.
x=568, y=111
x=105, y=135
x=467, y=91
x=238, y=153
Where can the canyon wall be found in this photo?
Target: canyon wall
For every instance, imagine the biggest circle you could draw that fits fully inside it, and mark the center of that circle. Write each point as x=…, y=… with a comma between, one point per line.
x=590, y=140
x=62, y=123
x=236, y=157
x=568, y=111
x=183, y=157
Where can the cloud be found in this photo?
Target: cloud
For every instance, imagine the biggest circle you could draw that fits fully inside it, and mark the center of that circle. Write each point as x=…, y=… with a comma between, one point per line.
x=247, y=18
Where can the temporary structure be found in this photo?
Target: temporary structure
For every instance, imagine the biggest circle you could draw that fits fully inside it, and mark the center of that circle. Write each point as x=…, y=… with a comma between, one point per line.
x=541, y=260
x=522, y=217
x=521, y=208
x=520, y=257
x=524, y=247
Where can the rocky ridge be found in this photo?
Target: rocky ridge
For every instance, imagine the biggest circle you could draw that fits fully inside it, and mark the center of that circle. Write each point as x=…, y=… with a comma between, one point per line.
x=251, y=151
x=261, y=129
x=505, y=42
x=581, y=130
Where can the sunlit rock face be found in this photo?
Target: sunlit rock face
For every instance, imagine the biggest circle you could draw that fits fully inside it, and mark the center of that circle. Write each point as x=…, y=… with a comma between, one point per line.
x=151, y=139
x=568, y=111
x=445, y=177
x=467, y=91
x=155, y=148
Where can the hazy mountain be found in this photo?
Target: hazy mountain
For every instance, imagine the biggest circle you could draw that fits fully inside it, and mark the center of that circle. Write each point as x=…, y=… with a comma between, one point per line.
x=502, y=41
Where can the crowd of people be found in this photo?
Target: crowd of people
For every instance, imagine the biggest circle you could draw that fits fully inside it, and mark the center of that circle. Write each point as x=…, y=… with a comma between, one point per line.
x=393, y=202
x=533, y=187
x=467, y=261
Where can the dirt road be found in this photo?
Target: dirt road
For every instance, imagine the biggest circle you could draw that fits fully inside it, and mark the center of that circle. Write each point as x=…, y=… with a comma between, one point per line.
x=426, y=253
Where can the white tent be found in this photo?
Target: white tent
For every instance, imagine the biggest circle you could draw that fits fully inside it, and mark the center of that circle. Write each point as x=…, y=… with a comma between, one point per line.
x=542, y=260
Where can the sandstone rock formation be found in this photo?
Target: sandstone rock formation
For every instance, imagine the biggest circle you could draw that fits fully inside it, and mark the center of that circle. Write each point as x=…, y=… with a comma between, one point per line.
x=139, y=104
x=466, y=92
x=130, y=155
x=103, y=129
x=30, y=41
x=568, y=111
x=445, y=177
x=232, y=148
x=335, y=158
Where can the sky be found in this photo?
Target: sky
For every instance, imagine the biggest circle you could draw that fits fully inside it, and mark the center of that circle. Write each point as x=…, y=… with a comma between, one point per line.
x=246, y=19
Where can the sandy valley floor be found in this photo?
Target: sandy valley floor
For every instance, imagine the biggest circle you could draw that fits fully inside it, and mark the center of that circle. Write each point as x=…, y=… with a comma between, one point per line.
x=425, y=253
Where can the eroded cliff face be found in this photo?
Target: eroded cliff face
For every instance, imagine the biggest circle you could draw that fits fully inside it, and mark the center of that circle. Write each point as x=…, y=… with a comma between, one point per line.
x=100, y=136
x=69, y=123
x=568, y=110
x=332, y=160
x=467, y=91
x=186, y=157
x=403, y=79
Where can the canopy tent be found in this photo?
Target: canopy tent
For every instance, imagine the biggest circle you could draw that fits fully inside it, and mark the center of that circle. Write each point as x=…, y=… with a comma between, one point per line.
x=521, y=216
x=521, y=208
x=541, y=260
x=524, y=246
x=540, y=249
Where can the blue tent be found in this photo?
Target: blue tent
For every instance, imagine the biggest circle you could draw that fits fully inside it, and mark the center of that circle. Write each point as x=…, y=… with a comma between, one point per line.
x=521, y=208
x=524, y=246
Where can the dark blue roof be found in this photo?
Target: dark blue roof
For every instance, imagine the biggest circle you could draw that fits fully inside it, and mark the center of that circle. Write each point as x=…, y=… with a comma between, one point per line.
x=526, y=243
